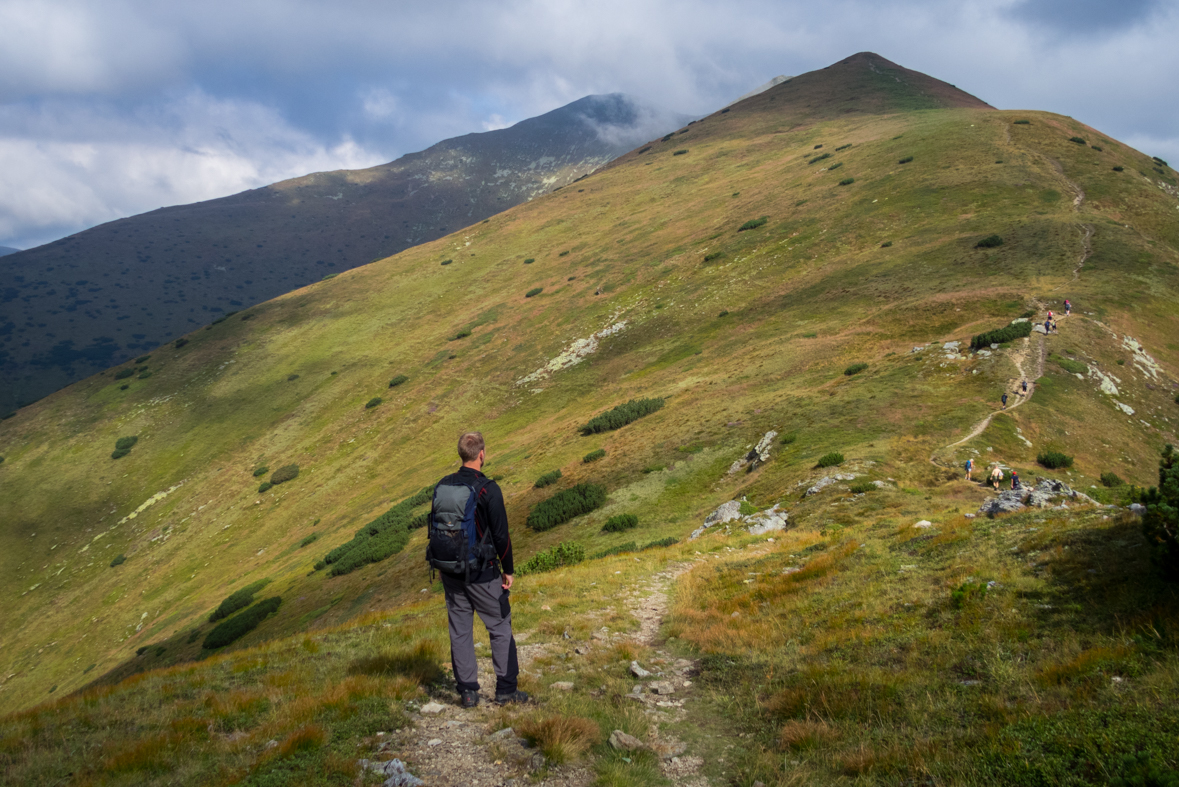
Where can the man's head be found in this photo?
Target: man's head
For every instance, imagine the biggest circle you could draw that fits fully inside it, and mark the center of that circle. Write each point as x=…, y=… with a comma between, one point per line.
x=470, y=446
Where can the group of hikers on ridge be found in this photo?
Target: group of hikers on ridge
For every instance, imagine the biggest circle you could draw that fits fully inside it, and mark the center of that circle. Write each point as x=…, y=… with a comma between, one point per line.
x=1049, y=327
x=996, y=476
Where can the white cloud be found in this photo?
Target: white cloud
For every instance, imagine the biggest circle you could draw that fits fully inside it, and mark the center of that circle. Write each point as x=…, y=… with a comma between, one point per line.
x=495, y=122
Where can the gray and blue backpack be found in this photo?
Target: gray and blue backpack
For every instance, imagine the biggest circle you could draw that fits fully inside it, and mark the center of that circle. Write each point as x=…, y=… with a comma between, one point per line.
x=454, y=543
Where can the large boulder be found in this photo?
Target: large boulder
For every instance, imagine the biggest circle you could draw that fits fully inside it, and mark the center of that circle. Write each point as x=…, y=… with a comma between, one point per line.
x=827, y=481
x=757, y=456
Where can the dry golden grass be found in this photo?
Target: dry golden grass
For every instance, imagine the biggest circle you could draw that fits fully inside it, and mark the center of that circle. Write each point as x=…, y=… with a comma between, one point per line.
x=797, y=735
x=561, y=738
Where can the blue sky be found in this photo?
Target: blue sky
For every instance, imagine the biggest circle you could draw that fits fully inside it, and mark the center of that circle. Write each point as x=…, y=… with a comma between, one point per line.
x=115, y=108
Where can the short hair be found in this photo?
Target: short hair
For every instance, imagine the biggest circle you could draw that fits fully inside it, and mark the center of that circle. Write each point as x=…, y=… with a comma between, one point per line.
x=469, y=446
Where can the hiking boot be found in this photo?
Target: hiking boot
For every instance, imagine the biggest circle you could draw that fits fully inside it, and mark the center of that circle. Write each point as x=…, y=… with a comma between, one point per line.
x=515, y=696
x=469, y=699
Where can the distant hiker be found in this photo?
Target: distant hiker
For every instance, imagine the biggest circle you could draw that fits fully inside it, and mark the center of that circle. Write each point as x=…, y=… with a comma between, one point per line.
x=1015, y=479
x=1054, y=326
x=969, y=468
x=1004, y=400
x=1047, y=326
x=468, y=534
x=1049, y=315
x=1024, y=387
x=996, y=477
x=1068, y=307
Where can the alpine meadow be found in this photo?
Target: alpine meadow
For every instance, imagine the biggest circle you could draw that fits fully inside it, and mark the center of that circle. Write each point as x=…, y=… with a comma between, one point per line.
x=728, y=384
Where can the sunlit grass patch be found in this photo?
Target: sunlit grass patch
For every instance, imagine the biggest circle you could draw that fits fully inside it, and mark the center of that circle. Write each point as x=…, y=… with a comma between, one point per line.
x=561, y=738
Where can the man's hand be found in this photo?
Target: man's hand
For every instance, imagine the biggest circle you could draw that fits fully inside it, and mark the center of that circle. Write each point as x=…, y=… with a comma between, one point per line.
x=507, y=583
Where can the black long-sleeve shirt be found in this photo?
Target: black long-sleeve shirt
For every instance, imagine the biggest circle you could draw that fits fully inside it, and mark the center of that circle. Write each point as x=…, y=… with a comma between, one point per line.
x=489, y=513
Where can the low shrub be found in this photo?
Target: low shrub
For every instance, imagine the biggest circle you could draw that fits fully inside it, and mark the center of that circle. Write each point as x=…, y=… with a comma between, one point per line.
x=446, y=262
x=1023, y=122
x=125, y=443
x=239, y=599
x=669, y=136
x=261, y=471
x=1054, y=460
x=530, y=260
x=119, y=453
x=593, y=456
x=817, y=159
x=862, y=487
x=663, y=542
x=1069, y=365
x=123, y=374
x=788, y=438
x=264, y=487
x=567, y=553
x=384, y=536
x=989, y=242
x=680, y=152
x=843, y=147
x=534, y=292
x=644, y=150
x=464, y=333
x=142, y=358
x=1158, y=160
x=548, y=478
x=292, y=377
x=621, y=415
x=565, y=505
x=619, y=523
x=398, y=380
x=1111, y=480
x=308, y=539
x=836, y=165
x=284, y=474
x=1119, y=169
x=905, y=160
x=564, y=253
x=716, y=255
x=886, y=244
x=816, y=147
x=629, y=546
x=847, y=181
x=180, y=343
x=561, y=739
x=1160, y=523
x=119, y=560
x=124, y=387
x=855, y=368
x=722, y=313
x=1121, y=362
x=238, y=626
x=371, y=403
x=1007, y=333
x=967, y=592
x=830, y=459
x=753, y=224
x=1078, y=140
x=1098, y=148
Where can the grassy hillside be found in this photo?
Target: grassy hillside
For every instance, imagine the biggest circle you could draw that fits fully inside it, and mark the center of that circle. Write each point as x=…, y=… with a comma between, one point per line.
x=875, y=186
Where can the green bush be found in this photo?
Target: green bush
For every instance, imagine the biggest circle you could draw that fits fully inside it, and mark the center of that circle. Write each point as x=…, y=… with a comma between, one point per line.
x=669, y=136
x=753, y=224
x=142, y=358
x=464, y=333
x=550, y=477
x=989, y=242
x=966, y=593
x=616, y=524
x=1001, y=335
x=680, y=152
x=843, y=147
x=1098, y=148
x=371, y=403
x=847, y=181
x=284, y=474
x=1054, y=460
x=722, y=313
x=308, y=539
x=886, y=244
x=836, y=165
x=239, y=599
x=124, y=387
x=1119, y=169
x=1160, y=523
x=566, y=553
x=830, y=460
x=654, y=469
x=1078, y=140
x=261, y=471
x=663, y=542
x=446, y=262
x=564, y=253
x=855, y=368
x=180, y=343
x=593, y=456
x=788, y=438
x=565, y=505
x=123, y=374
x=534, y=292
x=862, y=487
x=905, y=160
x=125, y=443
x=621, y=415
x=240, y=625
x=119, y=560
x=264, y=487
x=1111, y=480
x=716, y=255
x=384, y=536
x=818, y=146
x=1069, y=365
x=1158, y=160
x=820, y=157
x=398, y=380
x=119, y=453
x=530, y=260
x=143, y=375
x=1023, y=122
x=629, y=546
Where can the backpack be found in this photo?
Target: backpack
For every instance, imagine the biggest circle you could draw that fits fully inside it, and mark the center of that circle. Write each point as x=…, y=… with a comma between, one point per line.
x=454, y=545
x=967, y=465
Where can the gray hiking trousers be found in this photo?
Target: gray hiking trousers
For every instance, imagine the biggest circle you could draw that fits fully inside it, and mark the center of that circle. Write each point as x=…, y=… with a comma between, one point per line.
x=490, y=600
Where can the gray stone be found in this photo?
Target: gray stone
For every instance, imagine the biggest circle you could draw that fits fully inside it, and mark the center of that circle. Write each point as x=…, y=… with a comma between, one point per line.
x=620, y=741
x=562, y=685
x=1008, y=501
x=661, y=687
x=395, y=770
x=434, y=742
x=638, y=671
x=759, y=455
x=1137, y=508
x=767, y=521
x=924, y=523
x=581, y=651
x=726, y=512
x=827, y=481
x=951, y=346
x=506, y=732
x=433, y=708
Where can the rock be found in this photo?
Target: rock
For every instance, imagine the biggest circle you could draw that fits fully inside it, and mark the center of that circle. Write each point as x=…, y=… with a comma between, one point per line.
x=505, y=733
x=537, y=762
x=432, y=708
x=984, y=353
x=395, y=770
x=600, y=635
x=1008, y=501
x=1039, y=328
x=879, y=484
x=827, y=481
x=666, y=751
x=562, y=685
x=546, y=608
x=951, y=346
x=1137, y=508
x=726, y=512
x=620, y=741
x=581, y=651
x=767, y=521
x=434, y=742
x=969, y=516
x=924, y=523
x=1018, y=320
x=638, y=671
x=661, y=687
x=1125, y=408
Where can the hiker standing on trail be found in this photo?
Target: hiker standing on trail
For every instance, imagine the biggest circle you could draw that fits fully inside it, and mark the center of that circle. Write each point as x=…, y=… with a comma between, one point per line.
x=969, y=468
x=1015, y=480
x=1024, y=387
x=1068, y=307
x=1004, y=400
x=468, y=535
x=996, y=477
x=1049, y=315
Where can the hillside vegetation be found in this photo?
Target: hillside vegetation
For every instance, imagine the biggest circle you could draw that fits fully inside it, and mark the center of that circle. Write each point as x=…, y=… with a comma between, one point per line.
x=1031, y=648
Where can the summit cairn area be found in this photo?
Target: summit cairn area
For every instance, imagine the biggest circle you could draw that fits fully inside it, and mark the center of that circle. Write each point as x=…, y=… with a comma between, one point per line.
x=1046, y=492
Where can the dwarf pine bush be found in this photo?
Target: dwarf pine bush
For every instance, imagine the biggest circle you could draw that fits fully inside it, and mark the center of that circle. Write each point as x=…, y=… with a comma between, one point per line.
x=239, y=599
x=753, y=224
x=446, y=262
x=1054, y=460
x=830, y=459
x=862, y=487
x=629, y=546
x=1160, y=523
x=855, y=368
x=1078, y=140
x=886, y=244
x=284, y=474
x=565, y=505
x=534, y=292
x=1023, y=122
x=663, y=542
x=548, y=478
x=1111, y=480
x=680, y=152
x=619, y=523
x=593, y=456
x=384, y=536
x=123, y=374
x=820, y=157
x=564, y=554
x=125, y=443
x=836, y=165
x=847, y=181
x=905, y=160
x=1008, y=333
x=461, y=335
x=238, y=626
x=716, y=255
x=119, y=560
x=398, y=380
x=989, y=242
x=180, y=343
x=621, y=415
x=264, y=487
x=530, y=260
x=261, y=471
x=308, y=539
x=843, y=147
x=119, y=453
x=371, y=403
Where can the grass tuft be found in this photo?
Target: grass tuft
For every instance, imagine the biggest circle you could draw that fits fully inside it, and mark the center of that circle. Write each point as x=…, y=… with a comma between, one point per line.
x=562, y=739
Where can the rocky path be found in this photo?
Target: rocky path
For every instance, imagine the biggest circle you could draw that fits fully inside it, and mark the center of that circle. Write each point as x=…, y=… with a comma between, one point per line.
x=448, y=746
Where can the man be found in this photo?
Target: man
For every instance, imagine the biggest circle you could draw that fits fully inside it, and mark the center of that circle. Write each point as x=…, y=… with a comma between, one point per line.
x=1004, y=400
x=470, y=575
x=996, y=477
x=969, y=468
